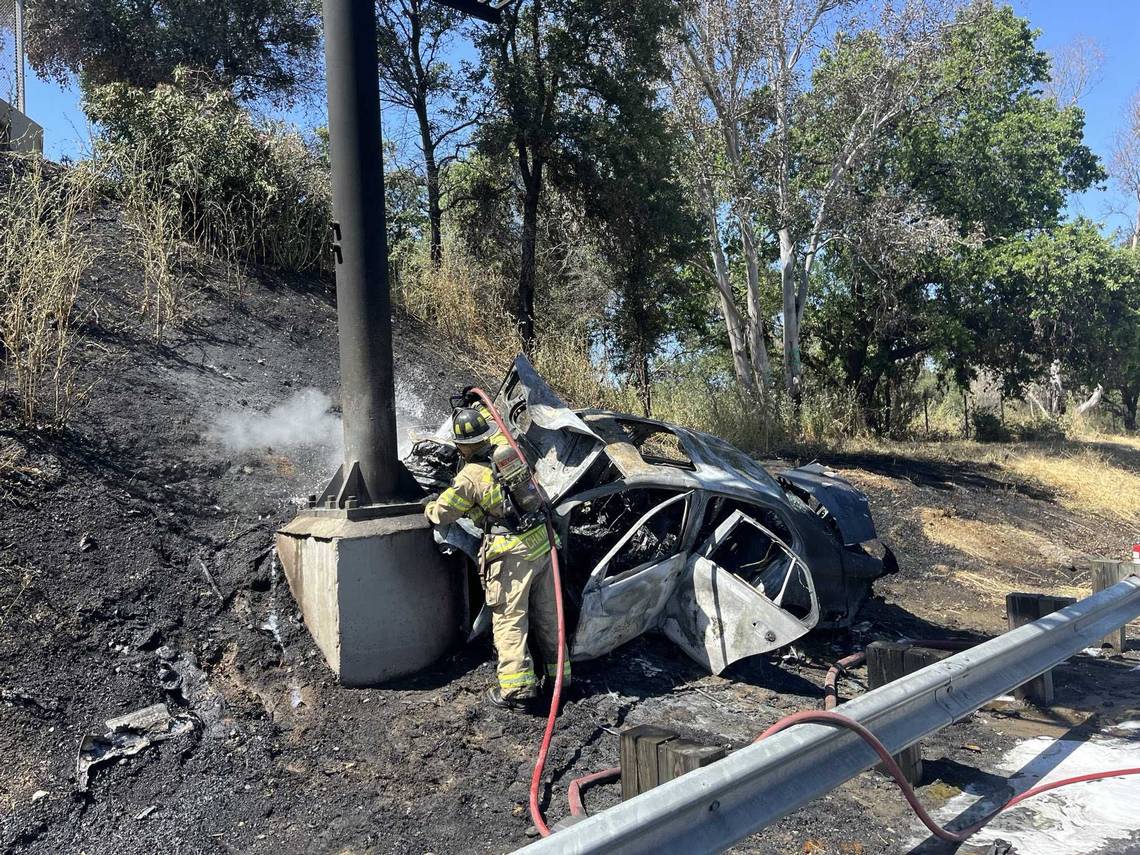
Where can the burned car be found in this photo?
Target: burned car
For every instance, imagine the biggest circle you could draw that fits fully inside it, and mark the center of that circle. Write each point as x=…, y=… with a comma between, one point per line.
x=669, y=529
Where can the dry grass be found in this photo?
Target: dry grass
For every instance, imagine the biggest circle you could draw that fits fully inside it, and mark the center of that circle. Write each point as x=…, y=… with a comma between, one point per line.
x=42, y=257
x=1083, y=473
x=990, y=543
x=156, y=222
x=992, y=588
x=1085, y=481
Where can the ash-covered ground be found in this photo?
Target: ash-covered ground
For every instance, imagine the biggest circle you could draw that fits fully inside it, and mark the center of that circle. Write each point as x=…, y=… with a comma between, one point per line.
x=136, y=568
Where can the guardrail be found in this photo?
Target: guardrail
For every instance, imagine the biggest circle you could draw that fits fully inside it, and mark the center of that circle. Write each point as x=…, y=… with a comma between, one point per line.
x=709, y=809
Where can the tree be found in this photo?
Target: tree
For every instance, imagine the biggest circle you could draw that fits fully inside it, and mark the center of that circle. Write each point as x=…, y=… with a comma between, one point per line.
x=1069, y=309
x=646, y=233
x=412, y=38
x=716, y=69
x=789, y=151
x=258, y=47
x=560, y=72
x=991, y=160
x=1075, y=69
x=1126, y=162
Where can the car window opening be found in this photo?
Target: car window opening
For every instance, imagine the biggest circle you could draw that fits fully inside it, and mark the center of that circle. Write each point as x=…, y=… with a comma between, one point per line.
x=596, y=526
x=721, y=508
x=656, y=444
x=751, y=555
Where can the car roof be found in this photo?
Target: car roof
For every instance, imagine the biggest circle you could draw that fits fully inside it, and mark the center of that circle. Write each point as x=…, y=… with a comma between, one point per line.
x=712, y=464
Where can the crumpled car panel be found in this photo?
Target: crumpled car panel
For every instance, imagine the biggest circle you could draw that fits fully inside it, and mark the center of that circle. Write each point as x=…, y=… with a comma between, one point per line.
x=718, y=616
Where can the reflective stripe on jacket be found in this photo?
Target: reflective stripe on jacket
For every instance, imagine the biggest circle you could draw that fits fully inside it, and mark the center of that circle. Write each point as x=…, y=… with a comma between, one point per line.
x=476, y=495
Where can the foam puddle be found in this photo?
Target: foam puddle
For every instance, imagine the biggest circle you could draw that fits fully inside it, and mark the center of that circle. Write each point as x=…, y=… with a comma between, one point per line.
x=1073, y=820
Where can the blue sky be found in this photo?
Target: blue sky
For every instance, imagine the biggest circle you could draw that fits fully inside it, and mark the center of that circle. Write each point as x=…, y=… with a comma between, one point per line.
x=1113, y=24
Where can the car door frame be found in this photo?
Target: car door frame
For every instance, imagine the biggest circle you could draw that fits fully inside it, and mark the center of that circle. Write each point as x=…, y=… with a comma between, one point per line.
x=617, y=609
x=717, y=618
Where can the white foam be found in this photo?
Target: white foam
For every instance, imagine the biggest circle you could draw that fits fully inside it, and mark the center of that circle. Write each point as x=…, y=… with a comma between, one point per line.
x=1072, y=820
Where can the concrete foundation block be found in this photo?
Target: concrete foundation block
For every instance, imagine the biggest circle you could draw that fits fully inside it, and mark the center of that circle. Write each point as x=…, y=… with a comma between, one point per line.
x=378, y=598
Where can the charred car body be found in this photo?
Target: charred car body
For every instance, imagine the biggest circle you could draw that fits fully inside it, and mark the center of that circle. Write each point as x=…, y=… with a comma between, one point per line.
x=669, y=529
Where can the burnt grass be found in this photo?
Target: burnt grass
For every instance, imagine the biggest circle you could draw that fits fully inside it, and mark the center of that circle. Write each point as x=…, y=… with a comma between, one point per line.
x=135, y=538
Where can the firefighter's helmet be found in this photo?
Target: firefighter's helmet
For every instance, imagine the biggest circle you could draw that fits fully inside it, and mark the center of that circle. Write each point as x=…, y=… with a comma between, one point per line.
x=470, y=427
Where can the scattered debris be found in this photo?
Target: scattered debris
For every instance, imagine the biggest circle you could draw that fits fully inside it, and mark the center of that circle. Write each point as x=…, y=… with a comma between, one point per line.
x=210, y=579
x=126, y=736
x=20, y=698
x=179, y=674
x=147, y=638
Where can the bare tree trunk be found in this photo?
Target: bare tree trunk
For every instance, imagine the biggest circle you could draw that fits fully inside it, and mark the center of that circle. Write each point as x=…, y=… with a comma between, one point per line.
x=1130, y=397
x=435, y=210
x=643, y=382
x=733, y=323
x=524, y=305
x=757, y=347
x=1056, y=387
x=1033, y=399
x=789, y=287
x=1092, y=401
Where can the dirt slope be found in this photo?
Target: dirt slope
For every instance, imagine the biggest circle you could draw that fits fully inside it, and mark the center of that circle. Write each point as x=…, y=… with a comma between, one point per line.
x=136, y=568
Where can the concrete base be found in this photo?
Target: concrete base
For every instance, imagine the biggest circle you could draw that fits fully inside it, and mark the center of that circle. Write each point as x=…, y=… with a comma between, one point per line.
x=377, y=596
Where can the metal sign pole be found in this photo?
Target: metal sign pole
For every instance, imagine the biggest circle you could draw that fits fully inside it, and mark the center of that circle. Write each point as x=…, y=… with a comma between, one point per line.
x=20, y=105
x=361, y=253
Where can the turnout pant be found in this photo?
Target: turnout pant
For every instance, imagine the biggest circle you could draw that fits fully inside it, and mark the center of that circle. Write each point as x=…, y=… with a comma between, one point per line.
x=520, y=594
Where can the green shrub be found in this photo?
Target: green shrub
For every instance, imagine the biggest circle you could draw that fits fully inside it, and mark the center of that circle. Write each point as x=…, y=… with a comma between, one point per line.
x=1038, y=430
x=244, y=190
x=989, y=427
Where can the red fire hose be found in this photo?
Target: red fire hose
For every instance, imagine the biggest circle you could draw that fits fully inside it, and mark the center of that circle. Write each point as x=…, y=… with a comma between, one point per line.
x=828, y=716
x=831, y=681
x=544, y=749
x=834, y=718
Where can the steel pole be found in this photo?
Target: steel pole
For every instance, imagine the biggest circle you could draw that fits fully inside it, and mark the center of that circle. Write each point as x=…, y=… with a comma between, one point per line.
x=360, y=249
x=709, y=809
x=20, y=105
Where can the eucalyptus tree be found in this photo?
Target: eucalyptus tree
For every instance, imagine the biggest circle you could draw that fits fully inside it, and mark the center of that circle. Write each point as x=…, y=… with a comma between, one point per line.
x=788, y=141
x=415, y=42
x=562, y=73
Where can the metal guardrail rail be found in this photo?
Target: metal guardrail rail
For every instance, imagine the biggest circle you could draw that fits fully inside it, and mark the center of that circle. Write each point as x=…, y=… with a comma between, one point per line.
x=709, y=809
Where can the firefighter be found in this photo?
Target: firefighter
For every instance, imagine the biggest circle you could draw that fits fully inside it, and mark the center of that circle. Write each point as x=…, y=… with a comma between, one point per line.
x=514, y=562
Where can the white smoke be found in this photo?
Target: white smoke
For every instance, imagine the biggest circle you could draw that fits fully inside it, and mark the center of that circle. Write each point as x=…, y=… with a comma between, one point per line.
x=304, y=420
x=412, y=417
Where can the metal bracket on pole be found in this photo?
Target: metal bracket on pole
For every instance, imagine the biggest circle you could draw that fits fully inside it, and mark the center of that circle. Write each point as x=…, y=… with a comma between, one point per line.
x=485, y=10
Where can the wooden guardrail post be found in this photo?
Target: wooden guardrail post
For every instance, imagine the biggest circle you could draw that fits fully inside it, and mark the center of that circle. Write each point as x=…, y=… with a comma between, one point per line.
x=1105, y=574
x=1021, y=609
x=652, y=755
x=890, y=660
x=678, y=756
x=638, y=755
